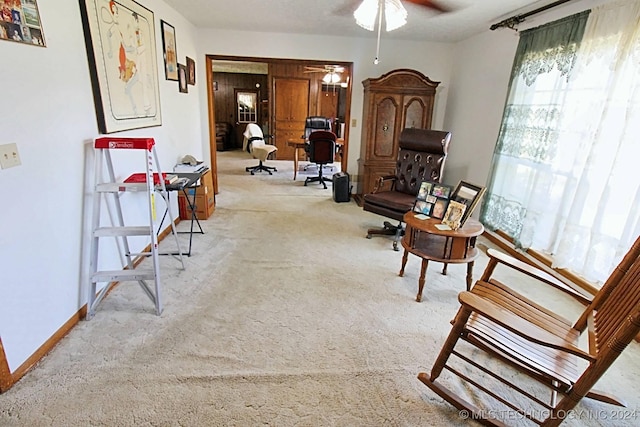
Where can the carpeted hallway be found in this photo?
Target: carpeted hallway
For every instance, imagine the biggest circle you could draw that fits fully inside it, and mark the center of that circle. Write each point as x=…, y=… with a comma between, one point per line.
x=286, y=315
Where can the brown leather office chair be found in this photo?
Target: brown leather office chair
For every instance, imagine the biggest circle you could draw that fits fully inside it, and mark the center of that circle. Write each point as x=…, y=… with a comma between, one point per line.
x=322, y=151
x=421, y=157
x=496, y=328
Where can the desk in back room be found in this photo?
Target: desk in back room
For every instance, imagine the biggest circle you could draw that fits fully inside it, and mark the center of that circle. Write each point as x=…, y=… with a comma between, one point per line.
x=298, y=144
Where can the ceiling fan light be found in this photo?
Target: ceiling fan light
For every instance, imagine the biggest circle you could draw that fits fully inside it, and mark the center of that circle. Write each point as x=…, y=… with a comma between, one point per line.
x=331, y=77
x=366, y=13
x=395, y=14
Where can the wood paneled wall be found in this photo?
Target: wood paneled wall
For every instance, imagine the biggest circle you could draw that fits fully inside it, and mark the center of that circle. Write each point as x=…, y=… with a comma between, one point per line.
x=225, y=103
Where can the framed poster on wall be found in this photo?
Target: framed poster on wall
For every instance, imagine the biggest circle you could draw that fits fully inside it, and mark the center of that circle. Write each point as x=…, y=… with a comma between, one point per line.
x=120, y=40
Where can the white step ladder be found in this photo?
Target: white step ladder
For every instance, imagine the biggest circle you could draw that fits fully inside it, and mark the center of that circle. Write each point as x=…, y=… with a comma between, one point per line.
x=108, y=189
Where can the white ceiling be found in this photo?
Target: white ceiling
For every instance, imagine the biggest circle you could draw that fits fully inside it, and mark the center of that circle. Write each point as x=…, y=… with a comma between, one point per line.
x=469, y=17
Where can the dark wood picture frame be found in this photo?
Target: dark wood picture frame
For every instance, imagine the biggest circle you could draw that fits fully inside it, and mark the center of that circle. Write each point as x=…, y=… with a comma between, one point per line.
x=191, y=71
x=169, y=50
x=182, y=78
x=469, y=195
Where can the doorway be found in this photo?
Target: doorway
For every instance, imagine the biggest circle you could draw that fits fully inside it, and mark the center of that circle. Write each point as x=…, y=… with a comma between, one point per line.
x=271, y=69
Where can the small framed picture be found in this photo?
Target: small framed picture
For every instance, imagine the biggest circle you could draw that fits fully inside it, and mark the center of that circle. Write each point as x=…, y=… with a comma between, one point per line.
x=439, y=207
x=469, y=195
x=169, y=50
x=425, y=190
x=191, y=71
x=453, y=215
x=441, y=190
x=182, y=78
x=420, y=206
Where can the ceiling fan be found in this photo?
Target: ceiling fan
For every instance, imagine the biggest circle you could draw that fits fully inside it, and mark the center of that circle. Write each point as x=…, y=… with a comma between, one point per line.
x=331, y=72
x=351, y=5
x=369, y=12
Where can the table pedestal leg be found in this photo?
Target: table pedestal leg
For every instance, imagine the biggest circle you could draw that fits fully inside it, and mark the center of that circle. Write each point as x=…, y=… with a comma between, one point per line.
x=423, y=273
x=469, y=275
x=404, y=262
x=295, y=163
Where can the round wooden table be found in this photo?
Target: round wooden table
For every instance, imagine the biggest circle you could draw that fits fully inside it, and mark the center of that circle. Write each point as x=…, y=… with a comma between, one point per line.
x=423, y=239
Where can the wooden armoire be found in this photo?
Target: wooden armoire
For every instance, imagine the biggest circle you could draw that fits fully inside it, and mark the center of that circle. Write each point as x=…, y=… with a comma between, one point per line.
x=396, y=100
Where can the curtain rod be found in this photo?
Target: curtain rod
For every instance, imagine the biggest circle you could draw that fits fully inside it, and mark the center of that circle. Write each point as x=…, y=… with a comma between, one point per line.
x=516, y=19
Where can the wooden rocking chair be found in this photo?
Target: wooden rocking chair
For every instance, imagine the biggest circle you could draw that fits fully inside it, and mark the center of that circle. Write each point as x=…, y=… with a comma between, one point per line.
x=538, y=342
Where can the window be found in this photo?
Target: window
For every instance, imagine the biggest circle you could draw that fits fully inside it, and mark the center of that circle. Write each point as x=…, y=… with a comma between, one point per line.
x=246, y=103
x=564, y=171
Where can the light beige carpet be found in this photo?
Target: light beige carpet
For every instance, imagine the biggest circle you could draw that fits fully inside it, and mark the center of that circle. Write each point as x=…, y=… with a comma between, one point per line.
x=286, y=315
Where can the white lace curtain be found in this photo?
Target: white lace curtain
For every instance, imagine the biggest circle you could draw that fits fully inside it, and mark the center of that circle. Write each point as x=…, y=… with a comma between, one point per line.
x=565, y=173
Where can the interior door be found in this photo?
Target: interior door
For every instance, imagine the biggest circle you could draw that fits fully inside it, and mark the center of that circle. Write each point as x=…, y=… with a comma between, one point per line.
x=246, y=111
x=291, y=109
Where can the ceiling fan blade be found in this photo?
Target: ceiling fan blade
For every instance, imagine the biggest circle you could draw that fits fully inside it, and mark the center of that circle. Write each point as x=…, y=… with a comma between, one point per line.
x=431, y=4
x=347, y=8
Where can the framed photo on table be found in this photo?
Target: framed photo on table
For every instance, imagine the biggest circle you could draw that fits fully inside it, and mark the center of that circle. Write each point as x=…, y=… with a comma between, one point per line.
x=469, y=195
x=453, y=215
x=121, y=48
x=422, y=207
x=441, y=190
x=439, y=207
x=169, y=51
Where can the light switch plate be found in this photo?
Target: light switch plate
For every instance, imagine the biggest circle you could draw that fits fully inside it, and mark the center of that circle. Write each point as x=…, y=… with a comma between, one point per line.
x=9, y=156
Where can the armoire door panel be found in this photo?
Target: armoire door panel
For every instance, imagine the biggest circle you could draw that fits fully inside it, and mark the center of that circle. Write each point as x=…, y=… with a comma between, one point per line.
x=387, y=109
x=416, y=113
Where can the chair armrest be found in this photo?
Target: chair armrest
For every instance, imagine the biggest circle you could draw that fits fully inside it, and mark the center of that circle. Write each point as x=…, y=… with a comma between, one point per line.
x=518, y=325
x=381, y=181
x=536, y=273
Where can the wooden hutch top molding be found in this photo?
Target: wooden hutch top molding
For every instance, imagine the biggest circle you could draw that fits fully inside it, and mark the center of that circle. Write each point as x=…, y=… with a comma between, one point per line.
x=402, y=80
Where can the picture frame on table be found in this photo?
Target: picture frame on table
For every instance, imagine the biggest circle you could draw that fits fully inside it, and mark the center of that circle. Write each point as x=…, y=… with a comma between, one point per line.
x=469, y=195
x=182, y=78
x=124, y=79
x=453, y=215
x=441, y=190
x=422, y=207
x=169, y=51
x=424, y=190
x=439, y=207
x=191, y=71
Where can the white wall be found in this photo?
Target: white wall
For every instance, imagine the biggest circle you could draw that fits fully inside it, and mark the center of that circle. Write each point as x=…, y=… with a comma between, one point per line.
x=48, y=111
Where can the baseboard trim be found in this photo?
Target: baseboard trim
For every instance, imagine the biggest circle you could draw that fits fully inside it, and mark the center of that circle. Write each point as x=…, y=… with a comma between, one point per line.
x=8, y=378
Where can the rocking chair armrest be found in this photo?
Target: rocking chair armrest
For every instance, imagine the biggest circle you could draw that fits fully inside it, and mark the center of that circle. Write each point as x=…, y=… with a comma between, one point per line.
x=381, y=181
x=537, y=273
x=518, y=325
